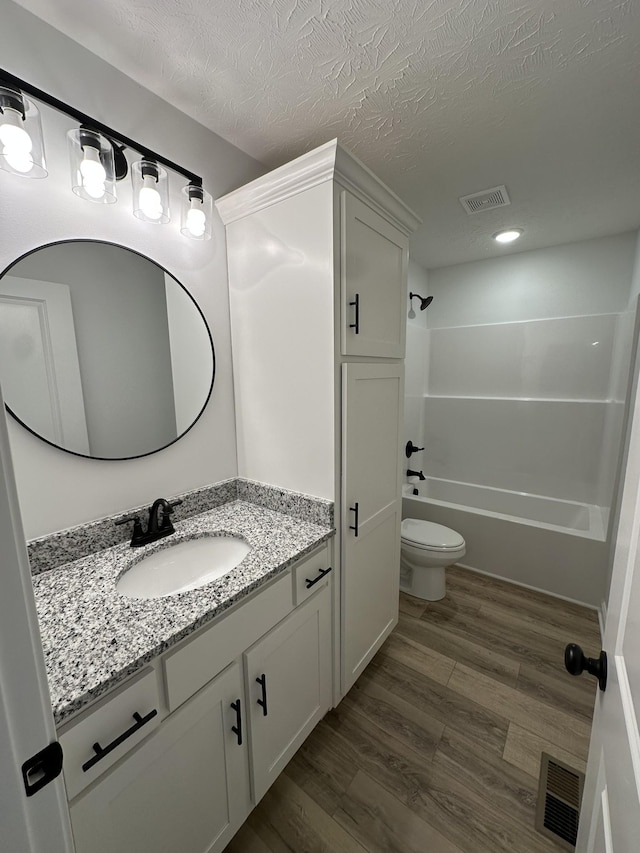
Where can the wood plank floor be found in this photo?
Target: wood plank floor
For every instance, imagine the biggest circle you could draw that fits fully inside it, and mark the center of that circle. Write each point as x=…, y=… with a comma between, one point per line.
x=436, y=748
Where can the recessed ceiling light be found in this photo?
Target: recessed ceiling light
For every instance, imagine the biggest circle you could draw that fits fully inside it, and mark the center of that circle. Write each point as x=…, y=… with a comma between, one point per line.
x=509, y=235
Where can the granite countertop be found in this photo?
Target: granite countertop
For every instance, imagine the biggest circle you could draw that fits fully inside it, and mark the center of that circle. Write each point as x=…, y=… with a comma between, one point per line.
x=93, y=637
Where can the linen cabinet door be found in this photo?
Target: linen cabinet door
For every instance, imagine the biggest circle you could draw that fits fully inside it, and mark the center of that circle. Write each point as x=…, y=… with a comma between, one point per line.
x=186, y=788
x=373, y=278
x=288, y=686
x=371, y=510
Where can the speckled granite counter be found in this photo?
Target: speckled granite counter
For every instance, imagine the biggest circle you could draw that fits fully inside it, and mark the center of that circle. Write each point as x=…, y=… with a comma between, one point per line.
x=93, y=637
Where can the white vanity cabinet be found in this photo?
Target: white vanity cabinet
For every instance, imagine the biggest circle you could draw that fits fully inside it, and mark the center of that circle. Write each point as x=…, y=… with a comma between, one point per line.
x=187, y=779
x=317, y=255
x=186, y=788
x=373, y=395
x=288, y=681
x=373, y=282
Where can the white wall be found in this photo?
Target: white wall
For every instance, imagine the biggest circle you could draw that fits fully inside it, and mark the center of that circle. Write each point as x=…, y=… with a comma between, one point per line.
x=624, y=383
x=521, y=390
x=282, y=309
x=188, y=348
x=635, y=282
x=589, y=277
x=58, y=490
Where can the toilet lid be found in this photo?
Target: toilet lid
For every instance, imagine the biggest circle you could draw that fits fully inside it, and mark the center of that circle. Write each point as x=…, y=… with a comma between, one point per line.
x=427, y=534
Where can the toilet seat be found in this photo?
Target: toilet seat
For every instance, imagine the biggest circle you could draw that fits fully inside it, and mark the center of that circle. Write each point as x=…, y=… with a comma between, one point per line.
x=428, y=536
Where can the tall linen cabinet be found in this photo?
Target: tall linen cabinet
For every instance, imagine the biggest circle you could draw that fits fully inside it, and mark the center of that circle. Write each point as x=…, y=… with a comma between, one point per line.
x=317, y=256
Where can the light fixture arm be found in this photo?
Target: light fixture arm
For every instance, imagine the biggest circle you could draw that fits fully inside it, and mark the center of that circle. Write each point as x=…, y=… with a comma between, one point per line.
x=11, y=81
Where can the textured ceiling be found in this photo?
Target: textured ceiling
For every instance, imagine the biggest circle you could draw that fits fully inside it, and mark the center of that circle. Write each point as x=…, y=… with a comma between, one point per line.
x=439, y=97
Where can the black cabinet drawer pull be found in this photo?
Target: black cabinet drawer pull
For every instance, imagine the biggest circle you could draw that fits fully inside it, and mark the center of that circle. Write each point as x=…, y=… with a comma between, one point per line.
x=237, y=729
x=100, y=752
x=262, y=681
x=355, y=509
x=356, y=304
x=309, y=583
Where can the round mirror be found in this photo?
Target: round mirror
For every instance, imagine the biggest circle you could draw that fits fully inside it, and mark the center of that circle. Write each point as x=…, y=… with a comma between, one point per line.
x=103, y=353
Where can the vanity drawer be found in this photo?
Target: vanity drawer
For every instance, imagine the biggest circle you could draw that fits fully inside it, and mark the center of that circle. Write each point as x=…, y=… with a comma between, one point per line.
x=191, y=666
x=310, y=575
x=117, y=724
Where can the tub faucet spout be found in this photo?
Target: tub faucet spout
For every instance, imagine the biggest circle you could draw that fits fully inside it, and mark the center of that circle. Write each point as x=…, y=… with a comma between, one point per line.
x=418, y=474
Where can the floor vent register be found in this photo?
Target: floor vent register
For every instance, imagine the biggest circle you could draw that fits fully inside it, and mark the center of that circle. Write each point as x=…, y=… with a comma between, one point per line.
x=559, y=798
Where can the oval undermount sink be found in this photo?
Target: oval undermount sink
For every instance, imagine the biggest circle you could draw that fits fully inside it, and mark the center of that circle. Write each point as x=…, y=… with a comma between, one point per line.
x=185, y=565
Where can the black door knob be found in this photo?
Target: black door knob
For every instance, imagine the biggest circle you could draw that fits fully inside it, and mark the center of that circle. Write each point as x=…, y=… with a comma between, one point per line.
x=576, y=662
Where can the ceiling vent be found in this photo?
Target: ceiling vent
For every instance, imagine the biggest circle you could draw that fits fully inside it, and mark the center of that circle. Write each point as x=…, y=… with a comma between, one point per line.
x=485, y=200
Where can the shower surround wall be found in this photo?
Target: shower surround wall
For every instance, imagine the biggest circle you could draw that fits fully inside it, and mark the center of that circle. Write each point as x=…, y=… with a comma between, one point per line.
x=518, y=371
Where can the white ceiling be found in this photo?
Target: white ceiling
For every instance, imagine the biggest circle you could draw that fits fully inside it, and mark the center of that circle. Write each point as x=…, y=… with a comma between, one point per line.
x=439, y=97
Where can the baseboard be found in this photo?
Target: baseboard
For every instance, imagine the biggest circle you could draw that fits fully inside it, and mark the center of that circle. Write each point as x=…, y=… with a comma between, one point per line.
x=529, y=586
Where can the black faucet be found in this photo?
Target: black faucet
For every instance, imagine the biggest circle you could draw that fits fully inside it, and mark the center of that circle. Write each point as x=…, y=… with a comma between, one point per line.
x=419, y=474
x=411, y=448
x=160, y=517
x=158, y=525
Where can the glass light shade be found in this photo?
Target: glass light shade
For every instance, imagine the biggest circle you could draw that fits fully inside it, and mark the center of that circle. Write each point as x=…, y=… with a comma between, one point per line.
x=92, y=166
x=21, y=145
x=150, y=192
x=196, y=213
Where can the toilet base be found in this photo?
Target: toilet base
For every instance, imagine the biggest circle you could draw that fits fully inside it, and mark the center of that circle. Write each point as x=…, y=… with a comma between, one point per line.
x=423, y=582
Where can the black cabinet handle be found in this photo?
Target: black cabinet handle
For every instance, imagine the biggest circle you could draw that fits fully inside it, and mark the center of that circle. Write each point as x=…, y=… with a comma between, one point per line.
x=100, y=752
x=309, y=583
x=576, y=662
x=355, y=509
x=237, y=729
x=262, y=681
x=356, y=304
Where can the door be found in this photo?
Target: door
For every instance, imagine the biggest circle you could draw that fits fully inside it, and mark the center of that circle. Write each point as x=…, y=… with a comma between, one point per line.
x=39, y=823
x=39, y=354
x=610, y=817
x=373, y=278
x=185, y=788
x=288, y=687
x=372, y=403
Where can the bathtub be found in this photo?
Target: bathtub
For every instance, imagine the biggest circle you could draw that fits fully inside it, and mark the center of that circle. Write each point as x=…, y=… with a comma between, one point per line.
x=552, y=545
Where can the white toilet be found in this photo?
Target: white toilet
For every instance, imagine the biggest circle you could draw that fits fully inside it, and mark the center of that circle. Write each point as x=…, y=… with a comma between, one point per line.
x=426, y=549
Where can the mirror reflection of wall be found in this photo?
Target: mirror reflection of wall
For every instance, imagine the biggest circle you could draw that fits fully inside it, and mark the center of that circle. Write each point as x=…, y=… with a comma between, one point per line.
x=144, y=361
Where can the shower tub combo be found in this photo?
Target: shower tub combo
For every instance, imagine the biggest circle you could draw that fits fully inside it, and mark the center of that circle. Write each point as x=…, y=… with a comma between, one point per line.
x=555, y=546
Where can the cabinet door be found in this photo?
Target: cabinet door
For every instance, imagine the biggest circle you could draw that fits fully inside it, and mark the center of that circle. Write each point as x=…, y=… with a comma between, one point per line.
x=371, y=510
x=185, y=788
x=374, y=257
x=288, y=676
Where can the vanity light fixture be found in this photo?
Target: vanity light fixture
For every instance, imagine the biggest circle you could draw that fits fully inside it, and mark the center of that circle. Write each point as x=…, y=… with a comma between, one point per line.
x=150, y=192
x=97, y=159
x=93, y=174
x=197, y=210
x=21, y=145
x=508, y=235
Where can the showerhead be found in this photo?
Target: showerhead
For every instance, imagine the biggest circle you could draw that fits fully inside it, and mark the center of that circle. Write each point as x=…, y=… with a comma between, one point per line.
x=423, y=302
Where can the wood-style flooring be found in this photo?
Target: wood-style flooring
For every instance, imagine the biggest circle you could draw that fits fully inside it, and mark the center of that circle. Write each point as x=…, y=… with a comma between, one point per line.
x=436, y=748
